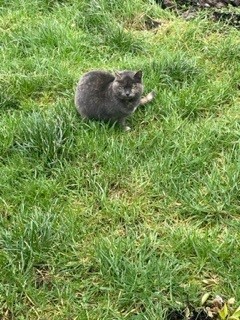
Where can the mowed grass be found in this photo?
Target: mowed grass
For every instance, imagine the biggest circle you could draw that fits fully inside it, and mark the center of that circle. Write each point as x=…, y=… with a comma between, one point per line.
x=97, y=223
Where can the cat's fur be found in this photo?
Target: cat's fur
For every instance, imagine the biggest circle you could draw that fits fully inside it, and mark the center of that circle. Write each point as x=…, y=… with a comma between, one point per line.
x=103, y=96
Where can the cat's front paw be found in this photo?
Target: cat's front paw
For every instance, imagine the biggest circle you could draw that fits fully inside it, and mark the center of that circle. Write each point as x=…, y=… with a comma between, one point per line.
x=127, y=128
x=151, y=96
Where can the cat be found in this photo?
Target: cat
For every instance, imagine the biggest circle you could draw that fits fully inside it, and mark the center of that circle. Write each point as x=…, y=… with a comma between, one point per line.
x=101, y=95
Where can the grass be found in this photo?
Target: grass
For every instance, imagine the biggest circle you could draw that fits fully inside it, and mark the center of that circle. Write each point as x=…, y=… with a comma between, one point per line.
x=100, y=224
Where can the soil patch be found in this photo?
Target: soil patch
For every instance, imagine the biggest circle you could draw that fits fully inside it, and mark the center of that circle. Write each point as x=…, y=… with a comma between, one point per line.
x=223, y=10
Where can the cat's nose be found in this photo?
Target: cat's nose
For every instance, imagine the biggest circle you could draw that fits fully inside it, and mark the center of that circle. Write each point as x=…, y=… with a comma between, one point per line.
x=127, y=93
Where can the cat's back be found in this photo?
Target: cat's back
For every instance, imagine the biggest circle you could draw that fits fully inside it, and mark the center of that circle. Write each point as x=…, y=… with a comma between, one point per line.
x=95, y=80
x=91, y=93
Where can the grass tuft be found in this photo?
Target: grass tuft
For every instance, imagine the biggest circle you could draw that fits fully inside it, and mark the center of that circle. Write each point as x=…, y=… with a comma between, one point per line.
x=50, y=136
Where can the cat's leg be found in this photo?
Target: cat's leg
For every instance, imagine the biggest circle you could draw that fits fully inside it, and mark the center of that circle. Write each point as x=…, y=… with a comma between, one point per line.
x=149, y=97
x=123, y=124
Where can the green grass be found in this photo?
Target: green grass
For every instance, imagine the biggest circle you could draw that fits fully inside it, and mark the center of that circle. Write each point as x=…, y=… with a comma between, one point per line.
x=97, y=223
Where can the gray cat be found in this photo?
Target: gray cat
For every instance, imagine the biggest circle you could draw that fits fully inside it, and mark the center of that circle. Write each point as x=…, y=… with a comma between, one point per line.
x=103, y=96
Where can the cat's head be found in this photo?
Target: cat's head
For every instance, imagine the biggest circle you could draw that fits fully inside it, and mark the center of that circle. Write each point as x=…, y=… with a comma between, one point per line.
x=127, y=85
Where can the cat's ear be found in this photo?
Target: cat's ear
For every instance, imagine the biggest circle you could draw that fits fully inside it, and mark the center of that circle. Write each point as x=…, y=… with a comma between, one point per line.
x=138, y=76
x=118, y=76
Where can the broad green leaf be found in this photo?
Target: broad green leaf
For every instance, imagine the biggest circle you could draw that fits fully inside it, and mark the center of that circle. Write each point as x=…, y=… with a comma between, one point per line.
x=223, y=313
x=236, y=314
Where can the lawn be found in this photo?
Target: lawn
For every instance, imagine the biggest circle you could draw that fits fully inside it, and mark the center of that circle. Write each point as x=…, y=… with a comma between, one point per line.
x=97, y=223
